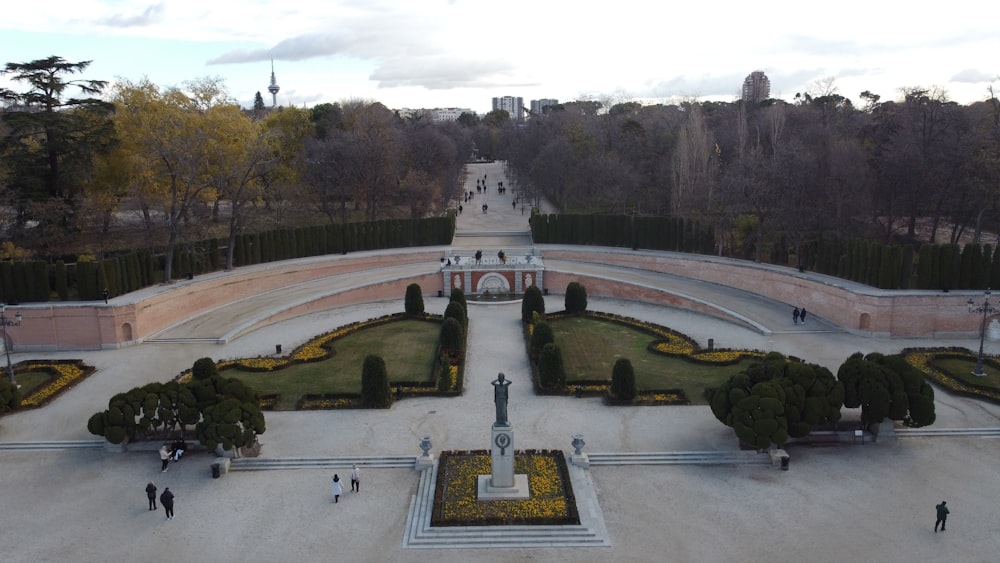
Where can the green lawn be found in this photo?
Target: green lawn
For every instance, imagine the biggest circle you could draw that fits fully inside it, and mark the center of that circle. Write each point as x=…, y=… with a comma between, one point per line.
x=31, y=380
x=962, y=371
x=591, y=346
x=407, y=347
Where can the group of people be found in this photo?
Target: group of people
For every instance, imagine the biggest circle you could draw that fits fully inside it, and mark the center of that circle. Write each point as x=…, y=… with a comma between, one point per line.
x=166, y=499
x=799, y=315
x=173, y=452
x=337, y=486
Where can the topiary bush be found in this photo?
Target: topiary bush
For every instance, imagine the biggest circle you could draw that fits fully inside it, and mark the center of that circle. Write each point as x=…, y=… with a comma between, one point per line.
x=204, y=368
x=576, y=298
x=375, y=392
x=458, y=296
x=452, y=337
x=533, y=302
x=541, y=335
x=414, y=301
x=551, y=369
x=456, y=311
x=623, y=380
x=10, y=396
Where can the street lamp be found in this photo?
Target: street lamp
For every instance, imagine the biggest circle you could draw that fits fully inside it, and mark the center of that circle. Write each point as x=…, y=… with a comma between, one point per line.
x=6, y=322
x=984, y=309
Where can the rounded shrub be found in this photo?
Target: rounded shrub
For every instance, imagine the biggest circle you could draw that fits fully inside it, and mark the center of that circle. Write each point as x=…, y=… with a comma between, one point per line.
x=623, y=380
x=414, y=301
x=456, y=311
x=204, y=368
x=10, y=396
x=375, y=390
x=551, y=369
x=576, y=298
x=458, y=296
x=533, y=302
x=452, y=337
x=541, y=335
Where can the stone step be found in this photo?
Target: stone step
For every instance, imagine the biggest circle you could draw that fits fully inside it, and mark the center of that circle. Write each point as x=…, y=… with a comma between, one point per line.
x=53, y=445
x=681, y=458
x=928, y=432
x=264, y=464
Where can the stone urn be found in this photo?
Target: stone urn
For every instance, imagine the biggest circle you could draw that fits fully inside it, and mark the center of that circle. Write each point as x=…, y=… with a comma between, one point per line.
x=425, y=445
x=578, y=444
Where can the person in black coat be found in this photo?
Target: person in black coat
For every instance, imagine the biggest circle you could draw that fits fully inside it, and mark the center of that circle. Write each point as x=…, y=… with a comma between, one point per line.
x=167, y=501
x=151, y=495
x=802, y=315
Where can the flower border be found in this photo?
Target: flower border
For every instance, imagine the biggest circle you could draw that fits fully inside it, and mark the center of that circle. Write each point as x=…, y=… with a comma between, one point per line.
x=65, y=375
x=923, y=360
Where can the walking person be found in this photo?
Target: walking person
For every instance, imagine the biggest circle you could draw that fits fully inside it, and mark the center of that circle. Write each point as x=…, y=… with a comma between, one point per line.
x=336, y=487
x=167, y=502
x=942, y=515
x=795, y=315
x=802, y=315
x=355, y=478
x=164, y=458
x=151, y=495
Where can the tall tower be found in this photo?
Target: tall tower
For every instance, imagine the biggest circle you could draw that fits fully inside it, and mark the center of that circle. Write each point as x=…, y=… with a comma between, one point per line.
x=756, y=87
x=273, y=88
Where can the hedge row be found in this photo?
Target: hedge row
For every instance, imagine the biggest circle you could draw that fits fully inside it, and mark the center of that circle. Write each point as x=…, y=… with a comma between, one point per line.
x=39, y=281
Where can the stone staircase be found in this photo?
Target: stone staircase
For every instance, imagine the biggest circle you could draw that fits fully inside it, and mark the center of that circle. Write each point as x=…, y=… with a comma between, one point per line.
x=731, y=457
x=264, y=464
x=53, y=445
x=954, y=432
x=418, y=533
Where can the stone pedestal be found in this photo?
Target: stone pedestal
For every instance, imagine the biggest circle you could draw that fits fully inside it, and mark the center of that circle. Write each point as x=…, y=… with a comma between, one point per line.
x=502, y=483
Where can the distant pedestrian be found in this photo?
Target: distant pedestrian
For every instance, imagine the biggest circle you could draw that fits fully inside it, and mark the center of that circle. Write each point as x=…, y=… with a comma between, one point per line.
x=795, y=315
x=459, y=208
x=485, y=207
x=942, y=515
x=513, y=204
x=151, y=495
x=164, y=458
x=336, y=488
x=167, y=501
x=479, y=256
x=355, y=478
x=802, y=315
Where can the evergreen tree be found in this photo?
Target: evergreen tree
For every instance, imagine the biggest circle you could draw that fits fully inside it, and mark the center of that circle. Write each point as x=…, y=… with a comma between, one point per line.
x=375, y=391
x=414, y=301
x=623, y=380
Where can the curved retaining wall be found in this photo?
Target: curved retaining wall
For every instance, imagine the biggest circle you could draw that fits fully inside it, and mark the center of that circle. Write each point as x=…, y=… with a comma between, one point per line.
x=857, y=308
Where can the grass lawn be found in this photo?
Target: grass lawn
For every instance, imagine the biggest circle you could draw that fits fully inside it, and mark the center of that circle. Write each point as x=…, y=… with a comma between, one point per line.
x=31, y=380
x=407, y=347
x=591, y=346
x=962, y=371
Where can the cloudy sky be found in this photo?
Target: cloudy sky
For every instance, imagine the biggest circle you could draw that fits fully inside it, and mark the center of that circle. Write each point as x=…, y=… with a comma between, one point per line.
x=462, y=53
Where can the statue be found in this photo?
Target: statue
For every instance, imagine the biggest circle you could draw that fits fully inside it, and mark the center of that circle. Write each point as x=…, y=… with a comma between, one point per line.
x=500, y=385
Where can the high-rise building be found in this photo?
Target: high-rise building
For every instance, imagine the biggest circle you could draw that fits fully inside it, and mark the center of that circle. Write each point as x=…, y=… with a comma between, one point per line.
x=756, y=87
x=513, y=106
x=538, y=106
x=273, y=88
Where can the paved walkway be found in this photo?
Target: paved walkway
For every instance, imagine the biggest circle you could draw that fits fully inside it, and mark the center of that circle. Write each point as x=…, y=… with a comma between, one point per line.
x=872, y=502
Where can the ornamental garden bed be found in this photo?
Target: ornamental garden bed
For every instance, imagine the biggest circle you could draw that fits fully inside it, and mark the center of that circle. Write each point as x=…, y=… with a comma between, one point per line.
x=325, y=372
x=951, y=368
x=43, y=380
x=670, y=367
x=456, y=504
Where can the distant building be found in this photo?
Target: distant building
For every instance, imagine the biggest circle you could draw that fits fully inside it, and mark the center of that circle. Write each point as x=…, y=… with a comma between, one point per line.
x=538, y=106
x=448, y=114
x=510, y=104
x=756, y=87
x=273, y=88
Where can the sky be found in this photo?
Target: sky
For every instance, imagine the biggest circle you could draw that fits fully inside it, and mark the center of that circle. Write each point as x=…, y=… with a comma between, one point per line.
x=462, y=53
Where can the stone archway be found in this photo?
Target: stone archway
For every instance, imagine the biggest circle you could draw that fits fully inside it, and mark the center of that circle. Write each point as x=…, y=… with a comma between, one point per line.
x=865, y=321
x=126, y=332
x=493, y=283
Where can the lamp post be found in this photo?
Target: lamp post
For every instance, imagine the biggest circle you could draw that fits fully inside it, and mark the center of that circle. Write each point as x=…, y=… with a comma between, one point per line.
x=985, y=309
x=6, y=322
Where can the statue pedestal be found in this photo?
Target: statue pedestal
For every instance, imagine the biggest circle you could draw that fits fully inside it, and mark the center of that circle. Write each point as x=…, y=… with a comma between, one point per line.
x=503, y=483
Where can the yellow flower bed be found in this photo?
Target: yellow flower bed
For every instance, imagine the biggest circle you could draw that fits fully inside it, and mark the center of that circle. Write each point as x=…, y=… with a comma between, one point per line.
x=263, y=364
x=674, y=345
x=725, y=356
x=65, y=374
x=551, y=499
x=320, y=404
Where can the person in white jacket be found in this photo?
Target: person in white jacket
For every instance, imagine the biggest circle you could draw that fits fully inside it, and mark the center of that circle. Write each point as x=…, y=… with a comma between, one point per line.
x=336, y=487
x=355, y=478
